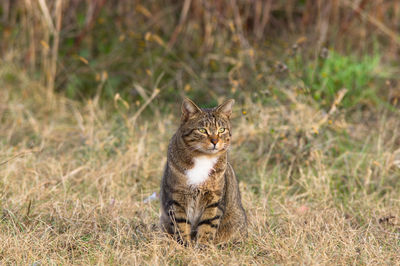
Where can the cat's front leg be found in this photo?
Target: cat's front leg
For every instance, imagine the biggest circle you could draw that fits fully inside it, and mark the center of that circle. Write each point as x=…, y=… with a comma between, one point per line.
x=209, y=222
x=181, y=225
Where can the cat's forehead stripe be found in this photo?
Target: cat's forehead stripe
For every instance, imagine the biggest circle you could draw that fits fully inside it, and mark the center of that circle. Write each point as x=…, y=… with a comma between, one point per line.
x=212, y=120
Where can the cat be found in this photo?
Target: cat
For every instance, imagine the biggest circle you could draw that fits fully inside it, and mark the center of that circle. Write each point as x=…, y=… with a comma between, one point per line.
x=200, y=197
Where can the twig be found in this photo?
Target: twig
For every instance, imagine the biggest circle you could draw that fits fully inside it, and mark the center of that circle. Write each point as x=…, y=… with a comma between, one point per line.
x=392, y=34
x=54, y=48
x=178, y=29
x=339, y=97
x=18, y=155
x=156, y=91
x=46, y=14
x=265, y=18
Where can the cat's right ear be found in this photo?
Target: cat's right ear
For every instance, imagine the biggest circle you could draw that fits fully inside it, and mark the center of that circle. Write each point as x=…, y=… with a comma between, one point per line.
x=189, y=109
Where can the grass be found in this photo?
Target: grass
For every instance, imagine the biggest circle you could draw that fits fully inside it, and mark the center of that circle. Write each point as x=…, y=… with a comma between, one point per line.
x=317, y=188
x=329, y=73
x=90, y=96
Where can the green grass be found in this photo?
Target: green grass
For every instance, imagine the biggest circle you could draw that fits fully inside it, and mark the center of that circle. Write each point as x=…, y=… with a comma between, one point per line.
x=325, y=76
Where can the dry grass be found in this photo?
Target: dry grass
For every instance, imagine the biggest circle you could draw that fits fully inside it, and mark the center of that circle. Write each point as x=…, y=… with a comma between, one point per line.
x=319, y=187
x=74, y=176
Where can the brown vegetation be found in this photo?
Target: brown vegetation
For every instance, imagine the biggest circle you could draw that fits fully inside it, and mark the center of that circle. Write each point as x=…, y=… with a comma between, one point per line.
x=90, y=94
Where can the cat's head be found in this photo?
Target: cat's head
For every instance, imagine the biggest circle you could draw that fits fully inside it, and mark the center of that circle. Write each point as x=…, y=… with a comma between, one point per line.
x=206, y=130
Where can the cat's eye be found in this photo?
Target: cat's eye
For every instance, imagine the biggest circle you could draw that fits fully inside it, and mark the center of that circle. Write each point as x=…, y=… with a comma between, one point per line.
x=202, y=130
x=221, y=130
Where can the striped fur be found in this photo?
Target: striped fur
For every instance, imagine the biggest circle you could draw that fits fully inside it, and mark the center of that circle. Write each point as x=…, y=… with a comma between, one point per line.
x=200, y=198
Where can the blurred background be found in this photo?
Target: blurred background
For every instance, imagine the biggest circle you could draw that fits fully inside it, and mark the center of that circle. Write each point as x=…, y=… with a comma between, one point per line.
x=205, y=49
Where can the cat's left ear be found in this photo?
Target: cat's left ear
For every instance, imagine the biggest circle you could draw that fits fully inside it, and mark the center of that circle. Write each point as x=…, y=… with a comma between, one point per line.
x=226, y=108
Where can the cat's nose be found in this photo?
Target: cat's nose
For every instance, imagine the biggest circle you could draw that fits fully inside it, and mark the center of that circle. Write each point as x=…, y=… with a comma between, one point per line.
x=214, y=141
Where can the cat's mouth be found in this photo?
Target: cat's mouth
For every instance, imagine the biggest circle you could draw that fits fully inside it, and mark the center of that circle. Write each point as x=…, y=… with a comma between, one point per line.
x=214, y=150
x=211, y=149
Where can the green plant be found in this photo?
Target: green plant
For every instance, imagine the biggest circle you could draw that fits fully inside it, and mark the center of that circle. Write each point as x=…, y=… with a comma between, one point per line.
x=324, y=77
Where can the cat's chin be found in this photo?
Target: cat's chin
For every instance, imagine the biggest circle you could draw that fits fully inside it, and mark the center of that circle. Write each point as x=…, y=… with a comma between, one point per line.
x=212, y=151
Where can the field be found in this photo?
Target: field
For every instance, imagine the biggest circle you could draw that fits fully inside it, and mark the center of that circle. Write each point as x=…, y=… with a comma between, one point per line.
x=83, y=137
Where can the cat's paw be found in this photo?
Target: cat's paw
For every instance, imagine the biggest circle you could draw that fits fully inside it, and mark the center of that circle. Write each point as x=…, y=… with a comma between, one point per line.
x=182, y=241
x=201, y=246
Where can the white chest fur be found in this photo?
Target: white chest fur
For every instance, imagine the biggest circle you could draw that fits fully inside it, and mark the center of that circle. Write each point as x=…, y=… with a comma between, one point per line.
x=201, y=169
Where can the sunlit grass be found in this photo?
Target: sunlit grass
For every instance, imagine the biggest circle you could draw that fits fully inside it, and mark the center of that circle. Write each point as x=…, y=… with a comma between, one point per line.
x=74, y=177
x=85, y=122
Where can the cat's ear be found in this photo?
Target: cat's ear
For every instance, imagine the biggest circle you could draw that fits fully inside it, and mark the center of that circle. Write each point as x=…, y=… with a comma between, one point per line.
x=226, y=108
x=189, y=109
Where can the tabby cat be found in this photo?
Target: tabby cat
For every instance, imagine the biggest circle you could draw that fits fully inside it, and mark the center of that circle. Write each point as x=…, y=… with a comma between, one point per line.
x=200, y=198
